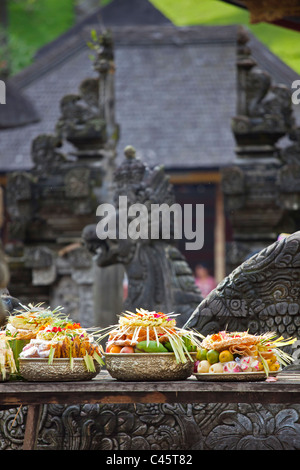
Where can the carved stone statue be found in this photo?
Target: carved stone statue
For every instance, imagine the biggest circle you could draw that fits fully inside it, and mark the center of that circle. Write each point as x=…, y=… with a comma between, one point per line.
x=159, y=277
x=255, y=197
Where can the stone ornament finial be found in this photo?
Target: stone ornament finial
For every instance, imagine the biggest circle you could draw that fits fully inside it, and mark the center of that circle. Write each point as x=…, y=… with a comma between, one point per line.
x=130, y=152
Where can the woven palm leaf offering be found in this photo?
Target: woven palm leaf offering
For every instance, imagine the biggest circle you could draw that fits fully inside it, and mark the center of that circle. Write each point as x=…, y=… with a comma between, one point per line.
x=241, y=355
x=48, y=345
x=147, y=345
x=26, y=321
x=24, y=324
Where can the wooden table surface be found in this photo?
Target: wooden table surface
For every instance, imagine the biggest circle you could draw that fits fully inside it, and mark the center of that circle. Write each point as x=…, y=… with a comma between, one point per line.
x=104, y=389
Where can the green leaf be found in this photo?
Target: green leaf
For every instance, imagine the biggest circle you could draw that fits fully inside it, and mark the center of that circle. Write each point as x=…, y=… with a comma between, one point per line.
x=98, y=359
x=188, y=344
x=94, y=35
x=71, y=359
x=265, y=365
x=89, y=362
x=17, y=346
x=168, y=346
x=51, y=355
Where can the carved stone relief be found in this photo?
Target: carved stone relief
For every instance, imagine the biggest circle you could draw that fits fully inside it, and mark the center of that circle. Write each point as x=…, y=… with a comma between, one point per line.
x=158, y=427
x=260, y=295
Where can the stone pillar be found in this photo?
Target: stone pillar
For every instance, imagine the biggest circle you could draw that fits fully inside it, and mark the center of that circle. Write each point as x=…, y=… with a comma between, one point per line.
x=251, y=186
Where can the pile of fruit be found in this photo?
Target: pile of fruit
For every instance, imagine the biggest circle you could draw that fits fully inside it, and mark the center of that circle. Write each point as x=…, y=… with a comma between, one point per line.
x=150, y=332
x=237, y=352
x=38, y=332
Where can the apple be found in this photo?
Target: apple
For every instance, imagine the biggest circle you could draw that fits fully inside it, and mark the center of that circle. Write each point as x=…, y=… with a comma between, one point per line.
x=127, y=350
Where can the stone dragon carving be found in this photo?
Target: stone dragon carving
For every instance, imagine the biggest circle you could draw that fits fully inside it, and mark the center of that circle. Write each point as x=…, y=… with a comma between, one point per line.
x=262, y=294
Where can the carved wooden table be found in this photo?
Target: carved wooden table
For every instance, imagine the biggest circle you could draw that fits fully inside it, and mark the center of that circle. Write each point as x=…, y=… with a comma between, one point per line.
x=103, y=389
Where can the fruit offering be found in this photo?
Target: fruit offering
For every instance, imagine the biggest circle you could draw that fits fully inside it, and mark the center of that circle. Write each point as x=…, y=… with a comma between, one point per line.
x=238, y=352
x=38, y=332
x=151, y=332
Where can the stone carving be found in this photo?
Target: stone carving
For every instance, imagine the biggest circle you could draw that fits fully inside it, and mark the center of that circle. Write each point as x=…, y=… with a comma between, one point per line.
x=45, y=154
x=158, y=427
x=88, y=118
x=264, y=111
x=80, y=123
x=260, y=295
x=159, y=277
x=77, y=182
x=49, y=205
x=255, y=427
x=255, y=191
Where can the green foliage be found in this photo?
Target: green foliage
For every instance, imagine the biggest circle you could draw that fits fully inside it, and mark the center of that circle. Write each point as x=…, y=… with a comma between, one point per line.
x=94, y=43
x=32, y=24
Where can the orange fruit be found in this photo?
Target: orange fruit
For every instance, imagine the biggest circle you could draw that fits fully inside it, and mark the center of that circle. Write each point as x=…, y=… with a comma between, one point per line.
x=226, y=356
x=114, y=349
x=260, y=366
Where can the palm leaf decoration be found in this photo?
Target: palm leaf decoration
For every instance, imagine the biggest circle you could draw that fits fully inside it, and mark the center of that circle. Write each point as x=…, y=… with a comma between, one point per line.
x=33, y=316
x=157, y=323
x=270, y=342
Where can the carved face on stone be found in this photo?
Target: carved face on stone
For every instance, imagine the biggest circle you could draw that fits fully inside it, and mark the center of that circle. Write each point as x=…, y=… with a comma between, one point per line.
x=107, y=251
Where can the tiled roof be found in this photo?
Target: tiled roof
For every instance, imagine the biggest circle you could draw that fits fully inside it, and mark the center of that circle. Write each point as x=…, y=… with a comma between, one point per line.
x=18, y=110
x=175, y=92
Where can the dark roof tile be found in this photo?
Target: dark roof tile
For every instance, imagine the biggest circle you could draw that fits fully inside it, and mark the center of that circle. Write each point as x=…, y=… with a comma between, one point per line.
x=175, y=93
